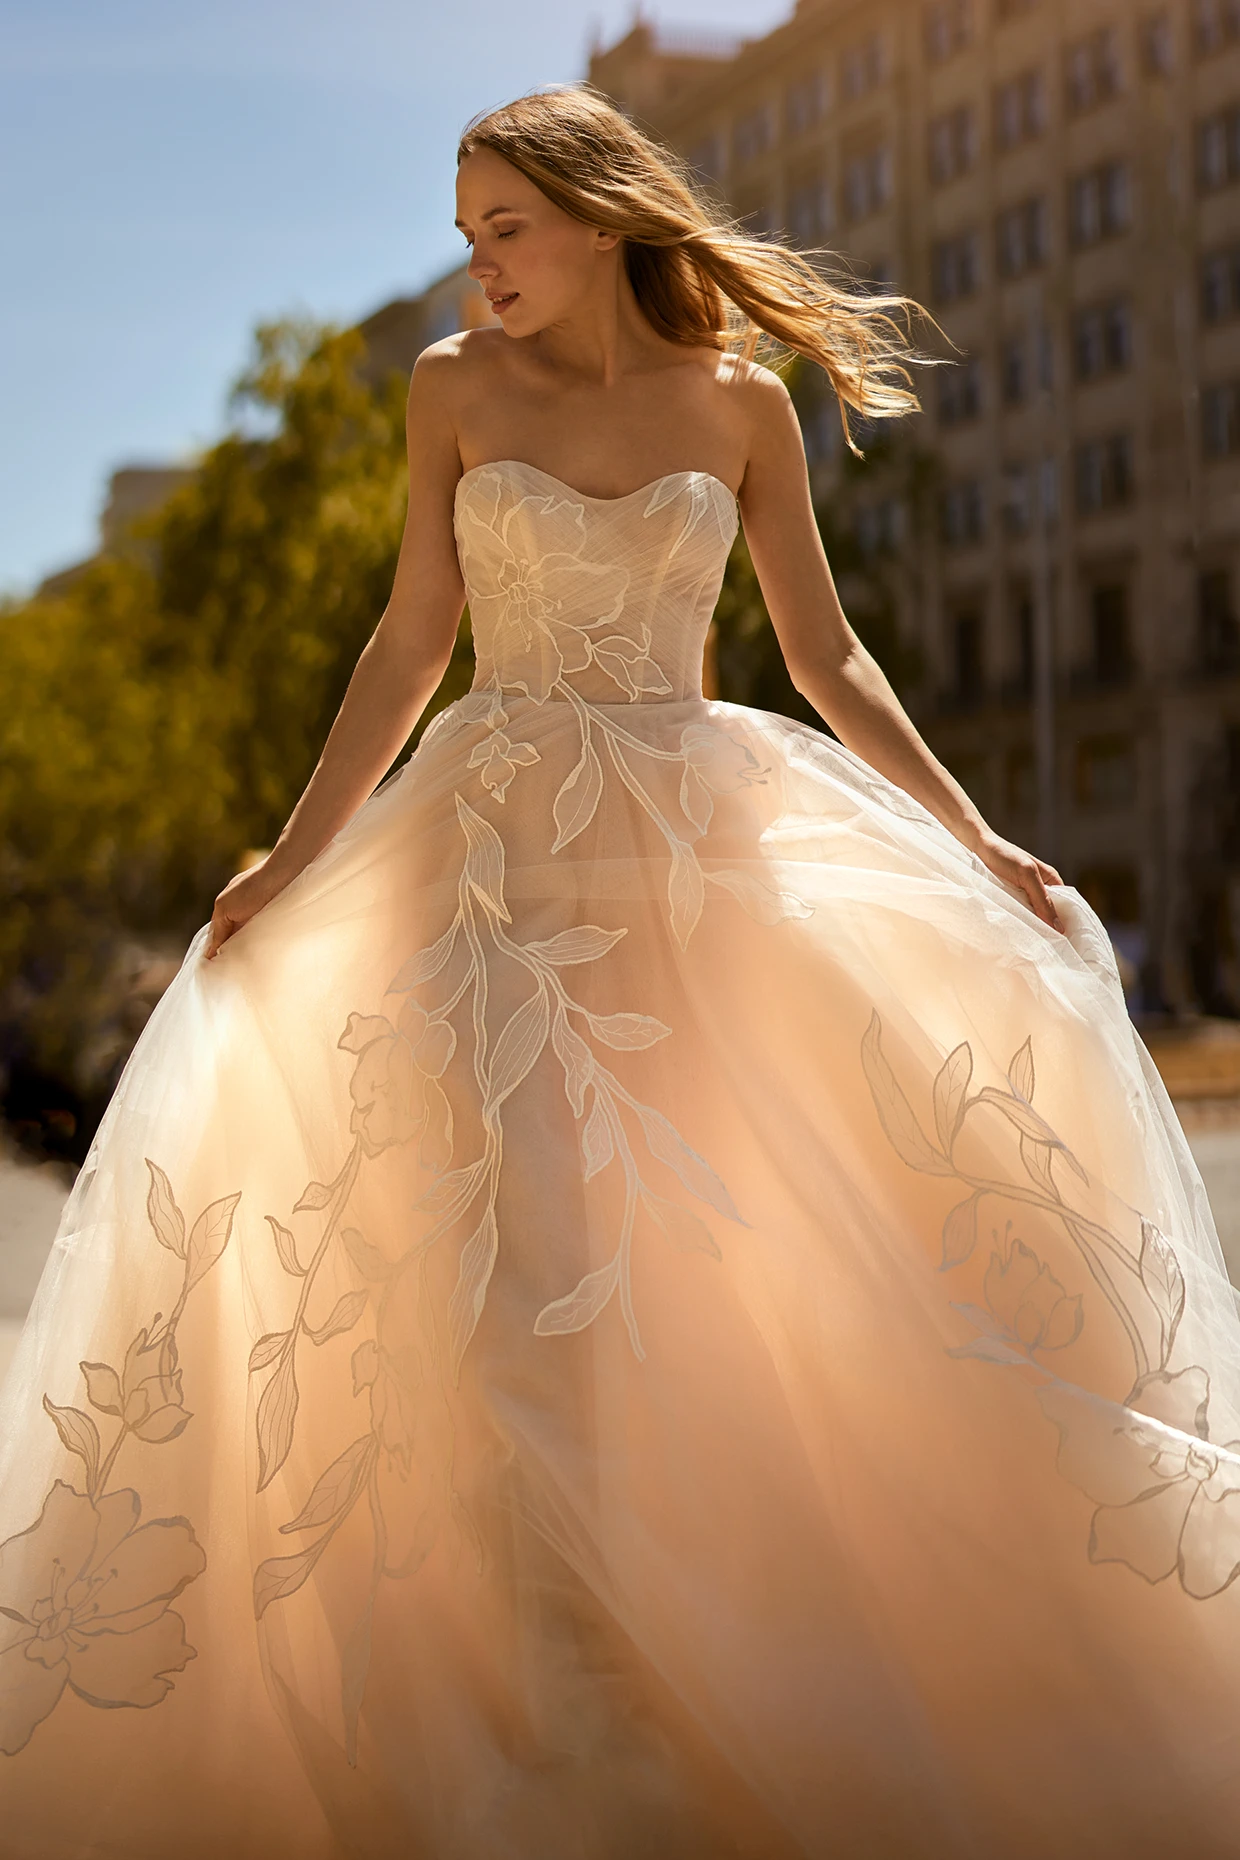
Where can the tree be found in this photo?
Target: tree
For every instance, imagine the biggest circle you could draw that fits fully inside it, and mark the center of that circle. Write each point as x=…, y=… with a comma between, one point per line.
x=165, y=712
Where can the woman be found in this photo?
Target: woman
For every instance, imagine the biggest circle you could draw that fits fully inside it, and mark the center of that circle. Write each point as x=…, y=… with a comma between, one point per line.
x=736, y=1341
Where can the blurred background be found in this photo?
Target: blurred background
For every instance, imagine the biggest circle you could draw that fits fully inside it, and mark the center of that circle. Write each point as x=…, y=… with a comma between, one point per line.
x=229, y=235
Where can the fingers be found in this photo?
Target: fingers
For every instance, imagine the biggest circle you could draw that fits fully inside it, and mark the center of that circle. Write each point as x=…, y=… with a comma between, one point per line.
x=1035, y=886
x=222, y=928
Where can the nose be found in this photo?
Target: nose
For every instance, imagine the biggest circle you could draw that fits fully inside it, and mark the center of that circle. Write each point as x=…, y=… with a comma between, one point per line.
x=479, y=266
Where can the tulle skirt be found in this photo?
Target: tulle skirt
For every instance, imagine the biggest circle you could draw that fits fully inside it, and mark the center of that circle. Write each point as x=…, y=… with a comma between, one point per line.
x=581, y=1338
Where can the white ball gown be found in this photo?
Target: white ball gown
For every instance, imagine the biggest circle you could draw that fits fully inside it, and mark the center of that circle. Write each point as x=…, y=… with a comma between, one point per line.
x=645, y=1306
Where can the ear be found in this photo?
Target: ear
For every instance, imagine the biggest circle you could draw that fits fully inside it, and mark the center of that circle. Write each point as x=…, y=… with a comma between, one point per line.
x=606, y=241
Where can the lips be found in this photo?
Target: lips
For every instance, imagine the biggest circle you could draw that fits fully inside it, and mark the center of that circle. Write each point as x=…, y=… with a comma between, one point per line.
x=500, y=304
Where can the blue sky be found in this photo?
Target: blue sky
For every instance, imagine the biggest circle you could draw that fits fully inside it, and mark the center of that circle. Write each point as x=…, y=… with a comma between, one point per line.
x=169, y=174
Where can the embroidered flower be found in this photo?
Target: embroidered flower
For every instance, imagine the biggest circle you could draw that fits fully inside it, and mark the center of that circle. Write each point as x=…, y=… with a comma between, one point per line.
x=1029, y=1302
x=499, y=759
x=1170, y=1499
x=714, y=763
x=395, y=1085
x=84, y=1597
x=533, y=614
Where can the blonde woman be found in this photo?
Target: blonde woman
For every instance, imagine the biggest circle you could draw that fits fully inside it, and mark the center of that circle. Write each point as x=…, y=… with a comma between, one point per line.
x=640, y=1294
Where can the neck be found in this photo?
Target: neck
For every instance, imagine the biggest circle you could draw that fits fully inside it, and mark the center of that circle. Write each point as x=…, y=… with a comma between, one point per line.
x=604, y=337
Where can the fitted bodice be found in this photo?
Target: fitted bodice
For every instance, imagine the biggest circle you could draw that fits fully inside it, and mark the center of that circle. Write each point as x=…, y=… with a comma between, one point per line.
x=607, y=599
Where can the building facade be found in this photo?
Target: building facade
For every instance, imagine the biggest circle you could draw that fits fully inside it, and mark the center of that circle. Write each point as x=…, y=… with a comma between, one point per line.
x=1059, y=182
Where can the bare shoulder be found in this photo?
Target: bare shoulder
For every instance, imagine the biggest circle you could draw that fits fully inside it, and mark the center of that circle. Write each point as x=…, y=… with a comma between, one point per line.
x=752, y=386
x=451, y=370
x=774, y=449
x=449, y=377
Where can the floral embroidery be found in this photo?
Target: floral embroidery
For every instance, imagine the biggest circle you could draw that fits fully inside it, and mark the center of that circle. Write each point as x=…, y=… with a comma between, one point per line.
x=546, y=617
x=85, y=1592
x=542, y=612
x=1163, y=1491
x=499, y=759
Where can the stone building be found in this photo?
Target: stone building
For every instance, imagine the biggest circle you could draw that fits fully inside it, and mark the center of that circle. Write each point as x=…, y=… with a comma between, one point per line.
x=1059, y=182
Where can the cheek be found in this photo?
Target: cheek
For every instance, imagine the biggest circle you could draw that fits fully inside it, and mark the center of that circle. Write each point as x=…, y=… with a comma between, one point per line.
x=554, y=268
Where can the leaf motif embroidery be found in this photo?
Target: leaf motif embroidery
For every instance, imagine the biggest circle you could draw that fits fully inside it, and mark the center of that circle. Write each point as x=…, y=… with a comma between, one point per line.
x=580, y=1306
x=576, y=803
x=465, y=1306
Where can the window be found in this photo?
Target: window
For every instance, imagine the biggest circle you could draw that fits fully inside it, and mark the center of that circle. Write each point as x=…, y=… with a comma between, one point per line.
x=1218, y=638
x=706, y=158
x=821, y=431
x=1099, y=206
x=805, y=103
x=1157, y=46
x=879, y=528
x=1216, y=25
x=753, y=135
x=962, y=513
x=955, y=266
x=1108, y=614
x=1048, y=486
x=1092, y=71
x=862, y=67
x=811, y=210
x=960, y=392
x=953, y=143
x=1104, y=474
x=1220, y=420
x=1030, y=491
x=1106, y=772
x=867, y=182
x=1218, y=149
x=1017, y=499
x=1220, y=285
x=968, y=660
x=949, y=28
x=1014, y=371
x=1020, y=110
x=1102, y=339
x=1020, y=238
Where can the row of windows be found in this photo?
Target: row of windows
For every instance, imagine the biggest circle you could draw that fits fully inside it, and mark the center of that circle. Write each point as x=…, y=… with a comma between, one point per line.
x=1101, y=345
x=806, y=101
x=1105, y=773
x=1109, y=660
x=1103, y=480
x=1099, y=207
x=1092, y=76
x=1092, y=64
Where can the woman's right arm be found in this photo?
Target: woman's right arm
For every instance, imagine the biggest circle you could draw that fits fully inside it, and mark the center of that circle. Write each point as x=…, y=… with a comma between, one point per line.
x=398, y=670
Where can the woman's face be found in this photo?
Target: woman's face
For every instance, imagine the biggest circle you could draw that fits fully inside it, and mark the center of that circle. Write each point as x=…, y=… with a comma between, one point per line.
x=537, y=265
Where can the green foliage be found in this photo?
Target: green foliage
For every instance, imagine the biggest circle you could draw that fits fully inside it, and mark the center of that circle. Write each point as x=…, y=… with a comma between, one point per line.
x=164, y=713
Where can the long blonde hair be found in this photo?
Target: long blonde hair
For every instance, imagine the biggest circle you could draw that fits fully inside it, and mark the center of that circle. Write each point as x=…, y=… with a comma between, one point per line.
x=700, y=278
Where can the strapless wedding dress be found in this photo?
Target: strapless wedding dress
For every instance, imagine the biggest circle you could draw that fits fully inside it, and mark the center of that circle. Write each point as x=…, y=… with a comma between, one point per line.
x=647, y=1306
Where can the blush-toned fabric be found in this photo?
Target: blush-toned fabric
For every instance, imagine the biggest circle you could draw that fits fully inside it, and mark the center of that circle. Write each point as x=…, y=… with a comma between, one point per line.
x=646, y=1306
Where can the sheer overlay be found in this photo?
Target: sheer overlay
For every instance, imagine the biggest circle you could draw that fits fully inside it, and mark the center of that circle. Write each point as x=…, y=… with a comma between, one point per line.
x=646, y=1305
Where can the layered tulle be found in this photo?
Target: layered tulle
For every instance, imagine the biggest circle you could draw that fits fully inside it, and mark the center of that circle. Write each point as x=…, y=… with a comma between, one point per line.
x=645, y=1305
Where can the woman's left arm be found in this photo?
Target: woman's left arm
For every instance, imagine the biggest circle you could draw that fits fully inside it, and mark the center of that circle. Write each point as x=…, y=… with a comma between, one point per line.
x=828, y=663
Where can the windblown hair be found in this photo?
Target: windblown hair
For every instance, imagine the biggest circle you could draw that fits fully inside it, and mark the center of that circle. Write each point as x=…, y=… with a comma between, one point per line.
x=701, y=279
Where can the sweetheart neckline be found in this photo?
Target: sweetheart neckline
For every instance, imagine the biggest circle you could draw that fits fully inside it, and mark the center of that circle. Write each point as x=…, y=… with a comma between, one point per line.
x=624, y=498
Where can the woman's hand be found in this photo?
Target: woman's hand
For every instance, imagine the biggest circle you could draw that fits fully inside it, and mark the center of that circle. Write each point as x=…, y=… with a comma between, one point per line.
x=243, y=897
x=1022, y=870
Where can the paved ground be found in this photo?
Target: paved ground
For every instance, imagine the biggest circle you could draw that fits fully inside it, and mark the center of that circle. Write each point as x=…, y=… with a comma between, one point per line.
x=31, y=1197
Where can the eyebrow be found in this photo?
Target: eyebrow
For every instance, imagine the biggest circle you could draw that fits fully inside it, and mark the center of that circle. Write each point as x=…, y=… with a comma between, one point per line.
x=490, y=214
